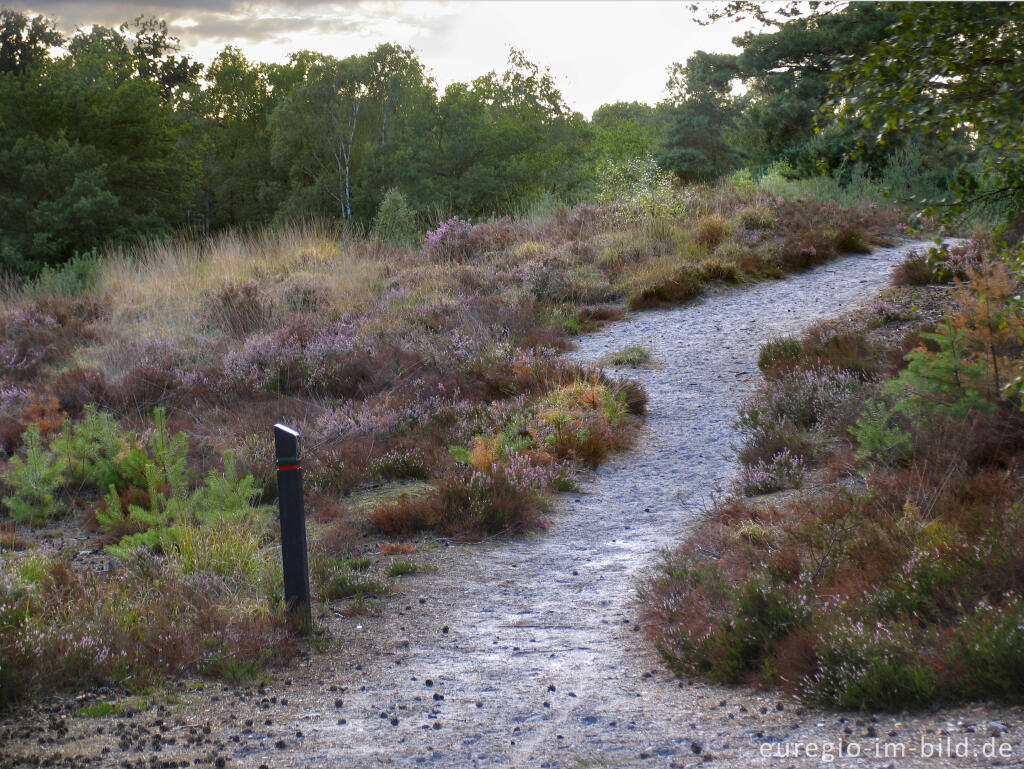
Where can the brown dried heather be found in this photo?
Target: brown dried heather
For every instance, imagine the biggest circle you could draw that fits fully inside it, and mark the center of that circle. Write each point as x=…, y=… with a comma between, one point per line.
x=408, y=515
x=75, y=387
x=913, y=271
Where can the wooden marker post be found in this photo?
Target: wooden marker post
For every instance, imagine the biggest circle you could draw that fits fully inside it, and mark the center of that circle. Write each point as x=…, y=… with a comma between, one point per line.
x=293, y=526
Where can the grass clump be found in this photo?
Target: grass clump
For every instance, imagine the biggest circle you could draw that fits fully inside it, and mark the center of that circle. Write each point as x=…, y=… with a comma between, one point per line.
x=634, y=356
x=401, y=568
x=663, y=284
x=98, y=709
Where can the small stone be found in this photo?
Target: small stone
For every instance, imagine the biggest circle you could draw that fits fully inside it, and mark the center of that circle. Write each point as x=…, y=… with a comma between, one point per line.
x=696, y=747
x=339, y=702
x=280, y=744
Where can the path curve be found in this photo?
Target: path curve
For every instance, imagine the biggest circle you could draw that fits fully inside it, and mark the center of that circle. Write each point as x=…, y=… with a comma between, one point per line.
x=533, y=643
x=526, y=653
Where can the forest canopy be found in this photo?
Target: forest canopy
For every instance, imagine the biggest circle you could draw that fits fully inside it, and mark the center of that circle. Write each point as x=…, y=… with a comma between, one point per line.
x=110, y=135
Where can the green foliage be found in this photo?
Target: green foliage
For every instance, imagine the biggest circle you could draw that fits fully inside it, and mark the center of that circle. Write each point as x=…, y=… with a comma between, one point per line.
x=946, y=382
x=341, y=578
x=868, y=668
x=627, y=130
x=395, y=221
x=227, y=496
x=402, y=568
x=35, y=480
x=634, y=356
x=170, y=455
x=989, y=651
x=639, y=189
x=98, y=709
x=699, y=147
x=91, y=449
x=958, y=88
x=158, y=539
x=879, y=440
x=91, y=149
x=222, y=507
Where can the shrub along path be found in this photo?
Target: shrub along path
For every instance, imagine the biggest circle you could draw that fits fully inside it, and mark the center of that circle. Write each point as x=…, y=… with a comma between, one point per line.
x=526, y=652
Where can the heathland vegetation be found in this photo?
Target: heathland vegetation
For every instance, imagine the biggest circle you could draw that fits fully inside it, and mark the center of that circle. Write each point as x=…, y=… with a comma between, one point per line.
x=394, y=271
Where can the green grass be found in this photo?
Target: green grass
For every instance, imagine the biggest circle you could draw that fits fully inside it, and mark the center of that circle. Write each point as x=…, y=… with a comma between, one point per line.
x=98, y=709
x=401, y=568
x=634, y=356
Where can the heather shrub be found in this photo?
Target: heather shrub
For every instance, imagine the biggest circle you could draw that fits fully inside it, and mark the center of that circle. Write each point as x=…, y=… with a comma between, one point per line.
x=913, y=271
x=144, y=622
x=719, y=269
x=719, y=630
x=844, y=348
x=400, y=463
x=851, y=240
x=505, y=496
x=450, y=241
x=240, y=310
x=784, y=470
x=987, y=656
x=863, y=667
x=957, y=262
x=710, y=230
x=582, y=421
x=551, y=281
x=804, y=397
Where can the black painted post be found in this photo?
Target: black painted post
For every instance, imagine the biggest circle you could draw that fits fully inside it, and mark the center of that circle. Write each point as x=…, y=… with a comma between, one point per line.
x=293, y=526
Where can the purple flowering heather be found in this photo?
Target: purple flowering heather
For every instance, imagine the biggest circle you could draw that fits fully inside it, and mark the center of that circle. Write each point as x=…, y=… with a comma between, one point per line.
x=449, y=242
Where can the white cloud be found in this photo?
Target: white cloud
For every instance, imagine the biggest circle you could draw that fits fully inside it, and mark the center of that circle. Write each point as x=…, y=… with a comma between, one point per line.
x=599, y=52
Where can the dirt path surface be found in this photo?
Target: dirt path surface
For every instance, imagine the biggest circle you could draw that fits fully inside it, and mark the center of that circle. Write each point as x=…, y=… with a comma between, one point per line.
x=526, y=653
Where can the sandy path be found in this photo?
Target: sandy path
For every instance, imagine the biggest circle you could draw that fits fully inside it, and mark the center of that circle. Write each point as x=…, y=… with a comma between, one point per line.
x=526, y=653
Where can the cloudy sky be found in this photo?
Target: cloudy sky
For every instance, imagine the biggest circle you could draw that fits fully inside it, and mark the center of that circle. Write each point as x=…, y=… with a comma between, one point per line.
x=600, y=52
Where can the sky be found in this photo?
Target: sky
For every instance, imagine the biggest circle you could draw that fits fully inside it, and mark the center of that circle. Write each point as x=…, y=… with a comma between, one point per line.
x=599, y=52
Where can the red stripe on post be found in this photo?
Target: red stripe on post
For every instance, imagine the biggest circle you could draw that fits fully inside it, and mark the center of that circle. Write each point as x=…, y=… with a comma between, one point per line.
x=287, y=467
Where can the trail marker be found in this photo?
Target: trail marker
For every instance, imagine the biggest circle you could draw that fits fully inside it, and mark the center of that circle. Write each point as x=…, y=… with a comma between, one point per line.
x=293, y=526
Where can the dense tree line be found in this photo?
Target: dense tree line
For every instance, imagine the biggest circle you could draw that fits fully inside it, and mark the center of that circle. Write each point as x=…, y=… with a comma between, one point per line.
x=826, y=86
x=111, y=134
